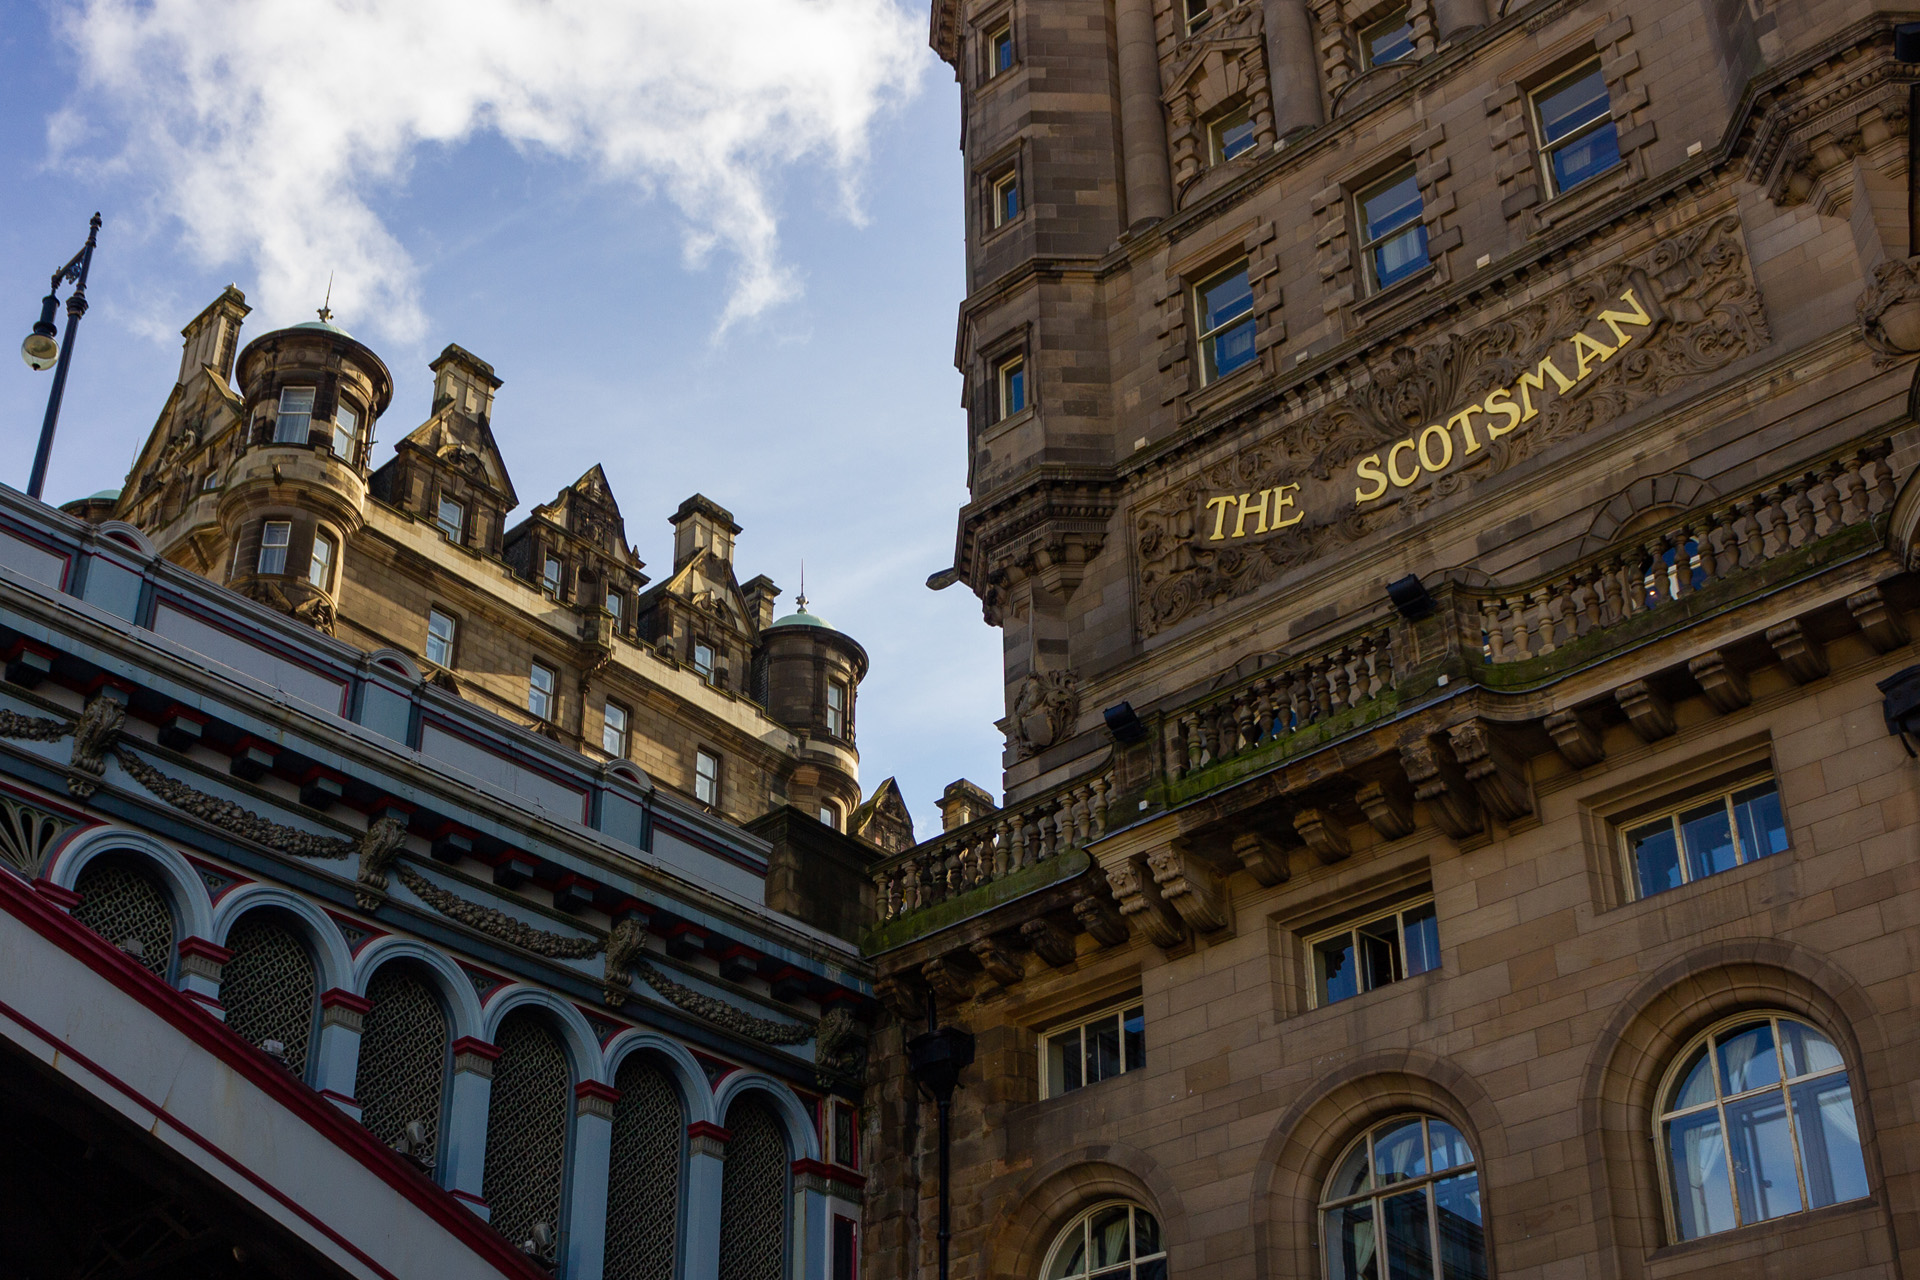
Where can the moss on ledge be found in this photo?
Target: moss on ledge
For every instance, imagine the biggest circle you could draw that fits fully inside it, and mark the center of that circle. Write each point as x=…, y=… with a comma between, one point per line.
x=974, y=902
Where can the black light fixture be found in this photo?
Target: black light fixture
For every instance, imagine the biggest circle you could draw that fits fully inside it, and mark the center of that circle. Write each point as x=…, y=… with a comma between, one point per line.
x=1900, y=704
x=40, y=350
x=1410, y=597
x=1125, y=724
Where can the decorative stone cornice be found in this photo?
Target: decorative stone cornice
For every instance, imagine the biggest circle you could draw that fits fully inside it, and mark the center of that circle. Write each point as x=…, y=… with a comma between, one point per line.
x=1191, y=888
x=1725, y=687
x=1264, y=857
x=1138, y=894
x=1049, y=941
x=1439, y=784
x=1498, y=775
x=1324, y=833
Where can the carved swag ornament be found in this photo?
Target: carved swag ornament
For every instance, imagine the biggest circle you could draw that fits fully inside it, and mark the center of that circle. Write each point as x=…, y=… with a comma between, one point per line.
x=1707, y=314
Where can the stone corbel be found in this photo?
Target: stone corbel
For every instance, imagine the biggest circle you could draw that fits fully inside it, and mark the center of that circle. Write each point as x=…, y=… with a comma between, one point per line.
x=1048, y=941
x=1884, y=629
x=903, y=997
x=1139, y=897
x=1725, y=687
x=1096, y=914
x=1648, y=712
x=947, y=981
x=1191, y=887
x=1387, y=809
x=1439, y=783
x=1263, y=856
x=1002, y=965
x=1325, y=834
x=1578, y=744
x=1497, y=774
x=1804, y=657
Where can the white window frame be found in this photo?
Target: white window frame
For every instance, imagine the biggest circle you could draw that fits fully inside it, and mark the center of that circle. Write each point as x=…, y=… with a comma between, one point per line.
x=275, y=535
x=1075, y=1029
x=1398, y=913
x=459, y=526
x=706, y=777
x=1743, y=857
x=292, y=423
x=1398, y=18
x=542, y=699
x=1368, y=242
x=1002, y=31
x=553, y=573
x=1003, y=374
x=446, y=642
x=320, y=563
x=1210, y=373
x=1217, y=130
x=837, y=708
x=615, y=723
x=705, y=663
x=1006, y=180
x=617, y=607
x=346, y=434
x=1547, y=149
x=830, y=816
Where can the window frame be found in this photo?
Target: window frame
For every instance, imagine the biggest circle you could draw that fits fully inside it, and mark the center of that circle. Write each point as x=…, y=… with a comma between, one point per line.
x=705, y=667
x=620, y=733
x=1002, y=181
x=1082, y=1223
x=283, y=414
x=1195, y=14
x=836, y=714
x=1400, y=17
x=352, y=432
x=709, y=779
x=616, y=607
x=1077, y=1028
x=553, y=575
x=1623, y=828
x=1216, y=134
x=1398, y=912
x=999, y=33
x=1005, y=369
x=1545, y=149
x=1368, y=244
x=549, y=695
x=321, y=562
x=452, y=637
x=1376, y=1191
x=830, y=814
x=1210, y=371
x=458, y=533
x=267, y=529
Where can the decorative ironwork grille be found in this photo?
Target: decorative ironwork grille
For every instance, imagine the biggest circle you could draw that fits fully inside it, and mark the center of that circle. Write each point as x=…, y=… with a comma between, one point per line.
x=403, y=1060
x=269, y=986
x=125, y=904
x=643, y=1184
x=753, y=1194
x=527, y=1128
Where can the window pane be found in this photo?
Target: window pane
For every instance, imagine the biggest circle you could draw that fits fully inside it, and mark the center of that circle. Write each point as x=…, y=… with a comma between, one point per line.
x=1409, y=1241
x=1762, y=830
x=1696, y=1084
x=1829, y=1141
x=1379, y=952
x=1806, y=1050
x=320, y=564
x=1063, y=1063
x=1708, y=837
x=1352, y=1178
x=1225, y=298
x=1463, y=1241
x=1697, y=1164
x=1234, y=135
x=1333, y=965
x=1351, y=1248
x=1103, y=1048
x=274, y=536
x=1762, y=1151
x=1002, y=51
x=1231, y=349
x=1399, y=1153
x=452, y=518
x=1009, y=201
x=1072, y=1258
x=1591, y=155
x=1656, y=857
x=1390, y=207
x=1389, y=41
x=1449, y=1145
x=1747, y=1059
x=1135, y=1026
x=1423, y=940
x=1146, y=1234
x=1399, y=257
x=1572, y=103
x=1014, y=389
x=1109, y=1230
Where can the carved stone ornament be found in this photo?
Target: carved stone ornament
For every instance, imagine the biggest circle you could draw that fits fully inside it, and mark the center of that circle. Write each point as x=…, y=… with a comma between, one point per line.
x=840, y=1046
x=1882, y=626
x=1049, y=941
x=1650, y=714
x=1889, y=310
x=26, y=833
x=1095, y=910
x=1499, y=778
x=947, y=980
x=626, y=948
x=1438, y=782
x=1140, y=901
x=1191, y=888
x=301, y=603
x=1707, y=311
x=94, y=734
x=1725, y=687
x=1804, y=657
x=1578, y=744
x=382, y=843
x=1044, y=709
x=1325, y=834
x=1264, y=857
x=1387, y=808
x=1000, y=964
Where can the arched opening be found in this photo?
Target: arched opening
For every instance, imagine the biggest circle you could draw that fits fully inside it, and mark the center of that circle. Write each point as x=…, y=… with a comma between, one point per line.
x=126, y=902
x=1404, y=1201
x=527, y=1124
x=753, y=1212
x=404, y=1061
x=645, y=1176
x=1116, y=1240
x=270, y=988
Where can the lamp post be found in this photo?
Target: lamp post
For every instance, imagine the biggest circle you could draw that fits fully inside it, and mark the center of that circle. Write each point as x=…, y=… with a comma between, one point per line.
x=40, y=350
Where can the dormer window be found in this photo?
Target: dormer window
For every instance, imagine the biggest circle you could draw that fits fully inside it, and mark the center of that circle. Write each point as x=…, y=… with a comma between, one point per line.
x=1231, y=135
x=540, y=689
x=550, y=577
x=452, y=519
x=617, y=606
x=274, y=536
x=346, y=433
x=320, y=564
x=703, y=660
x=296, y=415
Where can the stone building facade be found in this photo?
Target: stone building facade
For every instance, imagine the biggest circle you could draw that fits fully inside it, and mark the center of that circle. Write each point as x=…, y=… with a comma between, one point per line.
x=1443, y=474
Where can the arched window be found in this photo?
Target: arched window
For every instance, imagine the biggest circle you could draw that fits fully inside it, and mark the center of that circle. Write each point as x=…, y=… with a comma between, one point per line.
x=127, y=904
x=527, y=1116
x=269, y=988
x=1114, y=1241
x=753, y=1194
x=403, y=1062
x=1404, y=1201
x=643, y=1183
x=1756, y=1121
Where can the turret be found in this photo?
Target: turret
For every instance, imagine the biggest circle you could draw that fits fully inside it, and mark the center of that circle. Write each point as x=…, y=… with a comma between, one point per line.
x=813, y=676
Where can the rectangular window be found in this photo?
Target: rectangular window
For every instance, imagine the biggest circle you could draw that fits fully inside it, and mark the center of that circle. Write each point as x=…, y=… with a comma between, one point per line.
x=1393, y=239
x=440, y=628
x=829, y=816
x=613, y=730
x=1715, y=834
x=1380, y=950
x=706, y=777
x=1578, y=140
x=1198, y=13
x=703, y=660
x=846, y=1249
x=1006, y=198
x=540, y=682
x=843, y=1134
x=836, y=709
x=274, y=536
x=1223, y=313
x=617, y=606
x=1000, y=50
x=1230, y=136
x=296, y=415
x=346, y=433
x=320, y=564
x=1388, y=40
x=1011, y=388
x=1103, y=1046
x=452, y=519
x=550, y=577
x=211, y=482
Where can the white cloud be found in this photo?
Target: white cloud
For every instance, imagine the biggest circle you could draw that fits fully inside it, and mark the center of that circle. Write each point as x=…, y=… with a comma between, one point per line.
x=265, y=123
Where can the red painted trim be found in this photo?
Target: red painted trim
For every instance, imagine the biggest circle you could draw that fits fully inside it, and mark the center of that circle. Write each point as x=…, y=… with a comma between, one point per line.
x=338, y=1098
x=202, y=947
x=64, y=898
x=708, y=1129
x=344, y=999
x=594, y=1089
x=179, y=1011
x=206, y=1002
x=831, y=1172
x=467, y=1197
x=478, y=1048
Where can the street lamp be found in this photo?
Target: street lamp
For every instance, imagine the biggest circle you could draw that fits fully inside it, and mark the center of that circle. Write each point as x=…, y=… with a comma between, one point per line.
x=40, y=350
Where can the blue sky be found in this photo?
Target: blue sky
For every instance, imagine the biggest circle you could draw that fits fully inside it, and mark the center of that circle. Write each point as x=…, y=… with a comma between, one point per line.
x=714, y=248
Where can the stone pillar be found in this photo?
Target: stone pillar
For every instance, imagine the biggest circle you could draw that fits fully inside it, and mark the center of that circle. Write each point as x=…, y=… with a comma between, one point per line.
x=463, y=1135
x=1293, y=66
x=592, y=1163
x=706, y=1162
x=1143, y=123
x=200, y=964
x=1457, y=17
x=336, y=1055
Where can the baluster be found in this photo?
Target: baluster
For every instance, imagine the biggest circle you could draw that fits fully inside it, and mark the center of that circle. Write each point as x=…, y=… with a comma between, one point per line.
x=1879, y=478
x=910, y=886
x=1773, y=533
x=1682, y=579
x=1226, y=730
x=1719, y=552
x=1097, y=810
x=1370, y=657
x=1826, y=502
x=1080, y=827
x=1336, y=683
x=1492, y=642
x=1799, y=513
x=1018, y=856
x=1244, y=718
x=1002, y=849
x=1522, y=633
x=1606, y=594
x=1263, y=709
x=1299, y=701
x=1319, y=701
x=1045, y=828
x=1540, y=610
x=1196, y=747
x=1852, y=488
x=1383, y=647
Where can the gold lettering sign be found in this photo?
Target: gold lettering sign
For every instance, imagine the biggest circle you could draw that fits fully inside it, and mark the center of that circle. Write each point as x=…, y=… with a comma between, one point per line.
x=1441, y=446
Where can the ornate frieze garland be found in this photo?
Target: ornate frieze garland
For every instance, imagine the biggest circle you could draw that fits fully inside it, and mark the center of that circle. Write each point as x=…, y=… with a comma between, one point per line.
x=1697, y=288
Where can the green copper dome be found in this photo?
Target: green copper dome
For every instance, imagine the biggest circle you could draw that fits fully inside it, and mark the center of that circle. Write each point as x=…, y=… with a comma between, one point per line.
x=801, y=618
x=323, y=325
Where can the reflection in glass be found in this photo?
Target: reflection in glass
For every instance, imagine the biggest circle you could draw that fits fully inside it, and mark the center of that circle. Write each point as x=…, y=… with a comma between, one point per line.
x=1110, y=1242
x=1709, y=840
x=1399, y=1153
x=1702, y=1201
x=1762, y=830
x=1829, y=1141
x=1656, y=857
x=1103, y=1048
x=1423, y=939
x=1334, y=960
x=1764, y=1183
x=1463, y=1241
x=1404, y=1204
x=1747, y=1060
x=1351, y=1249
x=1409, y=1237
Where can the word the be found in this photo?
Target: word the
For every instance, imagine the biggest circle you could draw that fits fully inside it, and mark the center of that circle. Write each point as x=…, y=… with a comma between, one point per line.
x=1282, y=498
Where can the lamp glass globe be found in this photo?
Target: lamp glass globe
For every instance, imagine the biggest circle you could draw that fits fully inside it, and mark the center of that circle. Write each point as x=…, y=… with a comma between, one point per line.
x=39, y=351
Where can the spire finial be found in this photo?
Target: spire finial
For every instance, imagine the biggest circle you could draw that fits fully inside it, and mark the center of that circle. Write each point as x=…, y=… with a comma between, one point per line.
x=800, y=600
x=326, y=307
